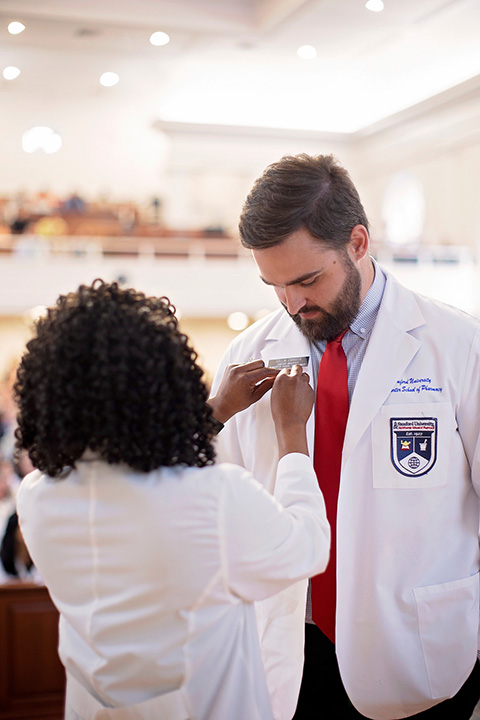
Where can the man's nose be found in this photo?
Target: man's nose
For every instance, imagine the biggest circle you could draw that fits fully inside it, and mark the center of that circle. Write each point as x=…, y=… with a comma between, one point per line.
x=293, y=297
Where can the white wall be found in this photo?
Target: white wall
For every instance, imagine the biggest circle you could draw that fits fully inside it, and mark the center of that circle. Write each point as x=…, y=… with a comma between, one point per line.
x=210, y=169
x=438, y=142
x=107, y=148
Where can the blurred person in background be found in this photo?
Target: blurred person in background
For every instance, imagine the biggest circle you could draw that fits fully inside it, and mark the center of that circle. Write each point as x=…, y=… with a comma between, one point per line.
x=15, y=562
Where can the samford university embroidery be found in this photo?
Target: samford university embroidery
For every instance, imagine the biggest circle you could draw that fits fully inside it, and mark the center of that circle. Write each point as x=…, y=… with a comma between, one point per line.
x=413, y=445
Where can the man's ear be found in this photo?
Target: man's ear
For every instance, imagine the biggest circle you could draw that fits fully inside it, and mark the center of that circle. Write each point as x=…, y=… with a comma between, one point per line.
x=359, y=242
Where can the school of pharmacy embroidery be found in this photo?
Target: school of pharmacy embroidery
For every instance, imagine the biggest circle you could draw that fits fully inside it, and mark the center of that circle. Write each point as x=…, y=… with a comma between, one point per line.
x=413, y=445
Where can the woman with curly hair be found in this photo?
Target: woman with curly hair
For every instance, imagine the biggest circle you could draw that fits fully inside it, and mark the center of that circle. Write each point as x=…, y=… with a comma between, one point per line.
x=153, y=554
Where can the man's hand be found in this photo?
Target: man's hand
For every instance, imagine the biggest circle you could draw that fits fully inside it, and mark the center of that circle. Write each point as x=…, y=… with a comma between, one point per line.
x=241, y=386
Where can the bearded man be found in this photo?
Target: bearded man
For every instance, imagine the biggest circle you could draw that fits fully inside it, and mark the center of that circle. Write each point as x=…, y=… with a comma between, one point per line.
x=391, y=627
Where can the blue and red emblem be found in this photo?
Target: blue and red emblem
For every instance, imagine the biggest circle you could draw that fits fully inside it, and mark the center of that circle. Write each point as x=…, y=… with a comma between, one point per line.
x=413, y=445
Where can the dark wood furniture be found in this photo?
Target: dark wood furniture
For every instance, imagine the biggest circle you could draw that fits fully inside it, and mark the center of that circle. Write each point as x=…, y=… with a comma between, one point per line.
x=32, y=679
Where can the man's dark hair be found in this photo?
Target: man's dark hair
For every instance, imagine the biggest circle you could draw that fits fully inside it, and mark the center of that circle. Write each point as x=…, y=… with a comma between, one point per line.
x=301, y=191
x=109, y=371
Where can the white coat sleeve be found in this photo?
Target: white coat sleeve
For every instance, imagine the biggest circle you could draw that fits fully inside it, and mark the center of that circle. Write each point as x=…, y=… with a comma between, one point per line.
x=468, y=411
x=269, y=543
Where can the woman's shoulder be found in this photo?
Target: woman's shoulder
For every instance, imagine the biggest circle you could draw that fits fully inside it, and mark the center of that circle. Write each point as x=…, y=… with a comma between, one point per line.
x=31, y=483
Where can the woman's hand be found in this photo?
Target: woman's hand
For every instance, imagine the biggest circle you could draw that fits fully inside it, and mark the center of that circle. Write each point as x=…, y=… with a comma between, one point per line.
x=241, y=386
x=292, y=402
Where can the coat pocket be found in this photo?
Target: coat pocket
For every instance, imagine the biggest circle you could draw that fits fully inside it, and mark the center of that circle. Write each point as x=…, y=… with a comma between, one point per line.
x=411, y=444
x=448, y=622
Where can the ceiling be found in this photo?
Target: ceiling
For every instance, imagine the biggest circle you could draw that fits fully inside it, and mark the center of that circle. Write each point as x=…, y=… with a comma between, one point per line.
x=234, y=62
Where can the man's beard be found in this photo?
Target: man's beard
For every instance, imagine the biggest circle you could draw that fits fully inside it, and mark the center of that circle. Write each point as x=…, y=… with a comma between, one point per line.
x=342, y=313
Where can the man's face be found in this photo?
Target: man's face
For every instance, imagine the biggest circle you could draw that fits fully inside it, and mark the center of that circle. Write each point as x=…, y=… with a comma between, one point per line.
x=319, y=287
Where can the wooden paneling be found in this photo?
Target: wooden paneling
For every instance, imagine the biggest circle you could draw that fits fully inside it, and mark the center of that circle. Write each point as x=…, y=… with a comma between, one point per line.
x=32, y=679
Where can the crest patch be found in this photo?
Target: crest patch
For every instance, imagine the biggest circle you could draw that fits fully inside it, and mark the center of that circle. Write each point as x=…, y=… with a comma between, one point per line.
x=413, y=445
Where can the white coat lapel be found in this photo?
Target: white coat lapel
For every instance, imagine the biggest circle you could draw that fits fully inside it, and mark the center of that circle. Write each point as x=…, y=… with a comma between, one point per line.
x=390, y=350
x=286, y=341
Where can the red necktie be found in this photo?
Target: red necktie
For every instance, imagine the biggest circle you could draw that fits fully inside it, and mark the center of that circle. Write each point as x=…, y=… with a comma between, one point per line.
x=331, y=413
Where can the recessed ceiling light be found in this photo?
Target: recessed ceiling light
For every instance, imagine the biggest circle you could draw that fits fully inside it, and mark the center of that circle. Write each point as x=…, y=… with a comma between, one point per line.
x=306, y=52
x=159, y=38
x=15, y=27
x=375, y=5
x=41, y=138
x=11, y=72
x=109, y=79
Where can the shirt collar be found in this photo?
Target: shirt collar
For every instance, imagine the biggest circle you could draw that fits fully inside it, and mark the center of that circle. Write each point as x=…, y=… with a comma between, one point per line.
x=363, y=324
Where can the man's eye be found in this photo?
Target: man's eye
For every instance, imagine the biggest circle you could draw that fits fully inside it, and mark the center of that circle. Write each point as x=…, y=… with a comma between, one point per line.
x=307, y=283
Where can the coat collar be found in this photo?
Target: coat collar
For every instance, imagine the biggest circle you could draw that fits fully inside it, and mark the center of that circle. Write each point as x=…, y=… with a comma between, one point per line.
x=284, y=340
x=390, y=350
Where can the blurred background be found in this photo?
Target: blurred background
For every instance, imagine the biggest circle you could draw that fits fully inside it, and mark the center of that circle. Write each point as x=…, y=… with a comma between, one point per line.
x=131, y=132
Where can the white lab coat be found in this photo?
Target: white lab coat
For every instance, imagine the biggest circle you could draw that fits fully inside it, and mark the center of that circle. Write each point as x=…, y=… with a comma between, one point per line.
x=155, y=576
x=407, y=545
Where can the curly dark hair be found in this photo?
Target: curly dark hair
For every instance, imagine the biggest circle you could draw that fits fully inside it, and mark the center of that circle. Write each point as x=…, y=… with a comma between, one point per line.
x=108, y=370
x=302, y=191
